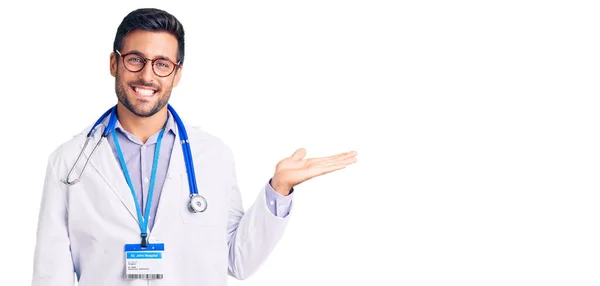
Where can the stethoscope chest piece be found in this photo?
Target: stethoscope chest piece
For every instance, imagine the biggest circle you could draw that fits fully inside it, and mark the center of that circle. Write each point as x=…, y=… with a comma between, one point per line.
x=197, y=203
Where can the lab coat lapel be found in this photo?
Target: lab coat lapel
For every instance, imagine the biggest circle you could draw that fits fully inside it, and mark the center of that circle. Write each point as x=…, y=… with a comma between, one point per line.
x=173, y=184
x=104, y=162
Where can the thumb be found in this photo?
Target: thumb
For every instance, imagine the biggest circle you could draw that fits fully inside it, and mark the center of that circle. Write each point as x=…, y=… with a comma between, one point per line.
x=299, y=154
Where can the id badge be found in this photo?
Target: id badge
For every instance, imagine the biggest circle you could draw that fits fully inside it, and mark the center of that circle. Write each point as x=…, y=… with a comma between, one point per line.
x=144, y=263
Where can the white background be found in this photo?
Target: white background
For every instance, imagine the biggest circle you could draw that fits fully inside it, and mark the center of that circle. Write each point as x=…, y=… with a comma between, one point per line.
x=477, y=127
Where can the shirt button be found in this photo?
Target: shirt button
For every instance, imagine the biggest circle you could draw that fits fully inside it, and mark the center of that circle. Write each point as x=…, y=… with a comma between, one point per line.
x=146, y=180
x=271, y=202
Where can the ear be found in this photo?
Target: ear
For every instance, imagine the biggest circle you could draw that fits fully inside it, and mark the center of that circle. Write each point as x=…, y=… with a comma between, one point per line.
x=113, y=64
x=177, y=76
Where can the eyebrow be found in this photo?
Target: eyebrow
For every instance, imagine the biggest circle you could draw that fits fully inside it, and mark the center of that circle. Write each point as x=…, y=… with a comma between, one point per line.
x=143, y=55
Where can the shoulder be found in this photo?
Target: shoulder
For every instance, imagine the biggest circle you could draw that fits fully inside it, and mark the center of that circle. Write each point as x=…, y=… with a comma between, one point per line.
x=208, y=143
x=67, y=152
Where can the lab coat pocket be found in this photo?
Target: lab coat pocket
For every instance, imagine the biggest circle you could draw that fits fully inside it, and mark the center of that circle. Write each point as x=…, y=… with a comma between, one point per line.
x=206, y=218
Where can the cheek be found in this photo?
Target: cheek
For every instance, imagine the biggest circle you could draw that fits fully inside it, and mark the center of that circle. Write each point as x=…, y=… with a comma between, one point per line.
x=123, y=82
x=164, y=85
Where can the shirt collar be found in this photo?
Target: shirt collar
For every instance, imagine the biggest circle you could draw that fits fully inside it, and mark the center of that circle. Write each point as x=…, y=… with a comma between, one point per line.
x=169, y=126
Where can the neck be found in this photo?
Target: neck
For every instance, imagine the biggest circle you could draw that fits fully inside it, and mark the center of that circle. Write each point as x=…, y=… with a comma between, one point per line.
x=141, y=127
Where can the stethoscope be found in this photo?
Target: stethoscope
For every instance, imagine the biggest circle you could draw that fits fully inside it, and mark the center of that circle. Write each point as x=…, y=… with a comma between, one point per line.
x=197, y=202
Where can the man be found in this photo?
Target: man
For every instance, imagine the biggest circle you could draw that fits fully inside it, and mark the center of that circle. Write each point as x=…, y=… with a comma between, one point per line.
x=126, y=217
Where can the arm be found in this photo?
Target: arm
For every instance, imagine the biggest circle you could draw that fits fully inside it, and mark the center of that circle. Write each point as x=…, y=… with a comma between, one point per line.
x=253, y=235
x=52, y=261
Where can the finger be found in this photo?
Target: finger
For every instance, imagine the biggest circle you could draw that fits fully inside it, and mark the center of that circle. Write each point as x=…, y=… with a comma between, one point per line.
x=299, y=154
x=333, y=161
x=345, y=161
x=334, y=157
x=327, y=169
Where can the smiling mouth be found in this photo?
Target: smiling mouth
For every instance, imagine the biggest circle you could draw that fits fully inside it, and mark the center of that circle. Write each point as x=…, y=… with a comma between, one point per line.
x=143, y=92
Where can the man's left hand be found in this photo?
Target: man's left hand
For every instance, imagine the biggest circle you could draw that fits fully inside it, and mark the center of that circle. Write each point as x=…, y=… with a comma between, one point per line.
x=294, y=170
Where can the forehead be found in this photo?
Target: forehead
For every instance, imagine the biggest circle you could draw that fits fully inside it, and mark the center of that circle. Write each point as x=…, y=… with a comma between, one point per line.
x=151, y=44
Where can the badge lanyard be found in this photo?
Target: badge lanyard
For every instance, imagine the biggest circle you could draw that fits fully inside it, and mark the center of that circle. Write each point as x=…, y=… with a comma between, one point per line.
x=143, y=219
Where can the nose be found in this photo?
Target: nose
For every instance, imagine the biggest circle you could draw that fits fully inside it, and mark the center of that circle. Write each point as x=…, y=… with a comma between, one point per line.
x=147, y=74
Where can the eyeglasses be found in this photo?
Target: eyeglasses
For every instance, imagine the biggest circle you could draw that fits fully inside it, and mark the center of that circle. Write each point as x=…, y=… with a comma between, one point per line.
x=135, y=62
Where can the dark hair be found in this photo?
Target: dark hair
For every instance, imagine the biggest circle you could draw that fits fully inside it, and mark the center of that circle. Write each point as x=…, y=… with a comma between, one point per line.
x=151, y=19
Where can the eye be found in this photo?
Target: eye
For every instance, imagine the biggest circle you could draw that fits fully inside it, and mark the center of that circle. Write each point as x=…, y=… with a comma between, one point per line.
x=134, y=60
x=162, y=64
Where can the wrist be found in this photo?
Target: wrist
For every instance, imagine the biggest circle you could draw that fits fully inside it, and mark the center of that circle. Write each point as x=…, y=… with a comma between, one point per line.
x=280, y=187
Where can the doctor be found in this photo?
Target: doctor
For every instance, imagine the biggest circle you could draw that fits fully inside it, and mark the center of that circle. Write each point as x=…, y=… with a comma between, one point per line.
x=149, y=206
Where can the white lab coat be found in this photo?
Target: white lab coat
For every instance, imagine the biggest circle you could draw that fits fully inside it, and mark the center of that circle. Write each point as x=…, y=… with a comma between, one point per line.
x=84, y=227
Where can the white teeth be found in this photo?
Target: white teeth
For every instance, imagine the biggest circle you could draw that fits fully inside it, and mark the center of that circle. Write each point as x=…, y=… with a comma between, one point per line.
x=144, y=92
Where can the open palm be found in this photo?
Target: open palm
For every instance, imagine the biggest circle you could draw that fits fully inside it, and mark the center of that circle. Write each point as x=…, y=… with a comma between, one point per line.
x=294, y=170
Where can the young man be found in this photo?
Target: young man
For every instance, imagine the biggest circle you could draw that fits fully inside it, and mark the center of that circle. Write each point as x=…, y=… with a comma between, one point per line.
x=127, y=212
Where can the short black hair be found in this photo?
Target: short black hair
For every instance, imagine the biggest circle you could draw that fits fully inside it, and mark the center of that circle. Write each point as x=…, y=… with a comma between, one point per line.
x=151, y=19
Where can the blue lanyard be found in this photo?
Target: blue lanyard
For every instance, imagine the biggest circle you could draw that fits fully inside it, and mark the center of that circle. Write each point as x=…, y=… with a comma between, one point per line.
x=143, y=219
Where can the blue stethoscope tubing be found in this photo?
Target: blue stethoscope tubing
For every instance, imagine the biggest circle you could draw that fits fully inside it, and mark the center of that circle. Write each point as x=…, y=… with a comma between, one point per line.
x=197, y=202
